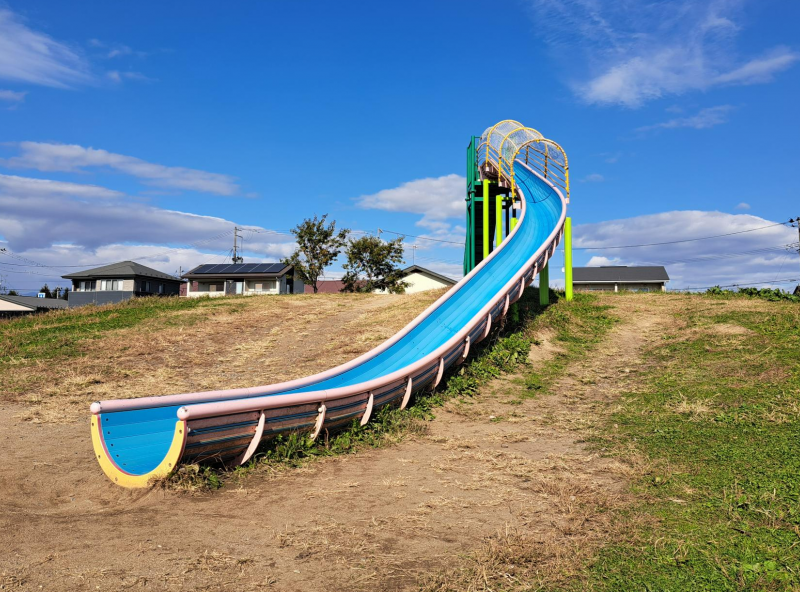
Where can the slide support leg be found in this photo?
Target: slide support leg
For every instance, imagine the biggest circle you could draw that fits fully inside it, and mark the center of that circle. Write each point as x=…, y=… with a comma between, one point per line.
x=486, y=235
x=544, y=285
x=498, y=220
x=568, y=258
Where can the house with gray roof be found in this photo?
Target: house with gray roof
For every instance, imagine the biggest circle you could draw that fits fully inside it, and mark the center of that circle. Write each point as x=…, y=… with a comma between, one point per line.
x=120, y=281
x=11, y=306
x=248, y=279
x=620, y=277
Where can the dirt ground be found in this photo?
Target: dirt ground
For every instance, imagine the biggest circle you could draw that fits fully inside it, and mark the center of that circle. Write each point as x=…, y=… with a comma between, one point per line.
x=385, y=519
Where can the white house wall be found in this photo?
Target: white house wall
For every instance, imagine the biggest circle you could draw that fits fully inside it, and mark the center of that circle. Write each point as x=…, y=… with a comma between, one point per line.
x=6, y=306
x=420, y=282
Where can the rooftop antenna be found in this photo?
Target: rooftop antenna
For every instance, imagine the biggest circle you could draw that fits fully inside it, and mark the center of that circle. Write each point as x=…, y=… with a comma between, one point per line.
x=236, y=257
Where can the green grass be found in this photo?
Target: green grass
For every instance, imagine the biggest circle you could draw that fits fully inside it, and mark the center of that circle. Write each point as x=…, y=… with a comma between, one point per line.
x=719, y=421
x=59, y=333
x=576, y=326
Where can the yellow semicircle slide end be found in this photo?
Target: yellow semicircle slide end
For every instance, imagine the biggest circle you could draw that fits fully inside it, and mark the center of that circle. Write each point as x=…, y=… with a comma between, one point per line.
x=124, y=479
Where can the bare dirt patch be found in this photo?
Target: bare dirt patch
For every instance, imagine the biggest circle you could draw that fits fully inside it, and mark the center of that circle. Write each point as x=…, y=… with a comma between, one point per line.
x=260, y=340
x=384, y=519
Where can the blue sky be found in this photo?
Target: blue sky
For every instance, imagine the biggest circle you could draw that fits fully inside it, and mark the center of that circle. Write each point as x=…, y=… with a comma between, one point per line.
x=146, y=130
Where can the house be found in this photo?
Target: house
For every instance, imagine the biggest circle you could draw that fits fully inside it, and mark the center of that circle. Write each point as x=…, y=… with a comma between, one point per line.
x=420, y=279
x=20, y=305
x=620, y=277
x=326, y=287
x=242, y=278
x=118, y=282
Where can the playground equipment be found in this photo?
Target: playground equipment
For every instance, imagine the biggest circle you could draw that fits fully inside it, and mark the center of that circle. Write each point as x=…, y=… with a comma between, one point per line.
x=527, y=178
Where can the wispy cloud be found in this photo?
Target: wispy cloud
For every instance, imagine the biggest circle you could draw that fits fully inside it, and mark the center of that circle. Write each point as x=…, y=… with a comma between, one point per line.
x=12, y=96
x=28, y=187
x=743, y=206
x=593, y=178
x=704, y=119
x=73, y=158
x=33, y=57
x=116, y=50
x=637, y=52
x=40, y=213
x=118, y=77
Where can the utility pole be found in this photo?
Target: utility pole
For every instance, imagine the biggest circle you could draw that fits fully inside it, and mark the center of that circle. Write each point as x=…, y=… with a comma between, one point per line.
x=796, y=222
x=236, y=257
x=414, y=254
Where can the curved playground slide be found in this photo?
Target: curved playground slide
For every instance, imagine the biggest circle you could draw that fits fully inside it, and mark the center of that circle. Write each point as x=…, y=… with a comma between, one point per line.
x=138, y=439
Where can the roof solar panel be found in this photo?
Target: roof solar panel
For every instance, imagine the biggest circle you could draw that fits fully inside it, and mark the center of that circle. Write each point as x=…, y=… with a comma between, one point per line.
x=236, y=268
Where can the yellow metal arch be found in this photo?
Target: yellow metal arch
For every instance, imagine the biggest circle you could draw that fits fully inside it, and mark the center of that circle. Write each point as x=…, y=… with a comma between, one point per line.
x=119, y=476
x=543, y=141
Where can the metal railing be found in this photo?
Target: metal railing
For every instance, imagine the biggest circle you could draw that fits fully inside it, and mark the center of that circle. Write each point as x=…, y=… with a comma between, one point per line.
x=508, y=141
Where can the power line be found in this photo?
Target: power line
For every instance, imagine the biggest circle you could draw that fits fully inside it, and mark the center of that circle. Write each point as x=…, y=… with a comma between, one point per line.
x=688, y=240
x=763, y=250
x=435, y=240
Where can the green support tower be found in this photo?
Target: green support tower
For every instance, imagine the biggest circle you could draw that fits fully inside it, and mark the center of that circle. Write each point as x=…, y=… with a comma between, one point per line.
x=487, y=208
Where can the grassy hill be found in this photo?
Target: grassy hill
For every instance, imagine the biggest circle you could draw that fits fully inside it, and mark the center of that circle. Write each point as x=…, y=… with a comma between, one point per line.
x=60, y=362
x=618, y=442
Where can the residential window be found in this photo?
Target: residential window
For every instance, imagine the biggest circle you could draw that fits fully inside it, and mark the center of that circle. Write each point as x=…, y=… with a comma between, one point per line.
x=110, y=285
x=160, y=288
x=216, y=287
x=262, y=286
x=86, y=286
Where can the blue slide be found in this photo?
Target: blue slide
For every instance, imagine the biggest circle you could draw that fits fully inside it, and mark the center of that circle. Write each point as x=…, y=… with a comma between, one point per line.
x=136, y=440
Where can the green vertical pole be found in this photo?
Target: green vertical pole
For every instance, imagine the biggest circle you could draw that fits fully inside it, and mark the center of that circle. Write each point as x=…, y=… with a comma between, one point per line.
x=513, y=225
x=486, y=235
x=498, y=220
x=568, y=257
x=544, y=285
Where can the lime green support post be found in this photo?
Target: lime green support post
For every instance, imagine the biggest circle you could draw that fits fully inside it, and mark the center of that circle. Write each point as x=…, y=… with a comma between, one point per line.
x=498, y=220
x=485, y=218
x=568, y=258
x=544, y=285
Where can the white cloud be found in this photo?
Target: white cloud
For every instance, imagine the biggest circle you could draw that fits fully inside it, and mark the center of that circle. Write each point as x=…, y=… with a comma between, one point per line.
x=28, y=278
x=73, y=158
x=743, y=206
x=12, y=96
x=593, y=178
x=438, y=199
x=640, y=52
x=28, y=187
x=37, y=214
x=704, y=119
x=760, y=70
x=118, y=77
x=36, y=58
x=121, y=50
x=597, y=261
x=754, y=258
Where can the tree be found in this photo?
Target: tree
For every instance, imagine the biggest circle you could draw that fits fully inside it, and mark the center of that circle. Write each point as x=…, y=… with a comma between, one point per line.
x=12, y=293
x=372, y=265
x=65, y=295
x=318, y=245
x=46, y=290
